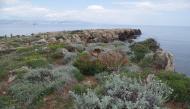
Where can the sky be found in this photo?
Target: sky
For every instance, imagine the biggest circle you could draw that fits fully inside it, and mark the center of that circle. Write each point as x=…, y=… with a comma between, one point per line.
x=126, y=12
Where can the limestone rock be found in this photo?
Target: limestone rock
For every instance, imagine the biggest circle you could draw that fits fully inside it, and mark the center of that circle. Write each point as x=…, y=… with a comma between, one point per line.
x=97, y=35
x=52, y=40
x=41, y=42
x=164, y=60
x=60, y=40
x=64, y=51
x=75, y=47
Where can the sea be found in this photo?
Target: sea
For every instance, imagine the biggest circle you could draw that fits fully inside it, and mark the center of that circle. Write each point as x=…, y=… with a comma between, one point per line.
x=175, y=39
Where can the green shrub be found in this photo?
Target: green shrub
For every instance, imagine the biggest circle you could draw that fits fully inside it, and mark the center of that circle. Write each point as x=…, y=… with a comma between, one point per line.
x=36, y=84
x=54, y=47
x=6, y=102
x=179, y=83
x=88, y=66
x=69, y=58
x=141, y=75
x=125, y=93
x=57, y=54
x=79, y=89
x=23, y=49
x=36, y=61
x=147, y=61
x=78, y=75
x=151, y=43
x=21, y=71
x=139, y=51
x=9, y=62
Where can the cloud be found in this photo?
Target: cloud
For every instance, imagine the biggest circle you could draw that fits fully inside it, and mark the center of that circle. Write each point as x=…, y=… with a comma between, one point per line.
x=8, y=1
x=151, y=5
x=24, y=11
x=96, y=8
x=120, y=12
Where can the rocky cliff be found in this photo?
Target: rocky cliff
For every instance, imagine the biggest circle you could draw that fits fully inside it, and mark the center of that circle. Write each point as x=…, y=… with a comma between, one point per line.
x=93, y=36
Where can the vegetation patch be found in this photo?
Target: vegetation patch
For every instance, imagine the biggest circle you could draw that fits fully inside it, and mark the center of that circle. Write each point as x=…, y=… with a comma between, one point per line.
x=140, y=49
x=54, y=47
x=179, y=83
x=125, y=93
x=36, y=62
x=88, y=66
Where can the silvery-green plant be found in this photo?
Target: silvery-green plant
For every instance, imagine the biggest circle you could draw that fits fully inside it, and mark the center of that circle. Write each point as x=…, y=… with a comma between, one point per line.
x=40, y=82
x=125, y=93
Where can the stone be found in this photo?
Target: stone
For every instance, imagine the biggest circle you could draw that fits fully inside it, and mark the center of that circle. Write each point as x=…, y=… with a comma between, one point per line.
x=60, y=40
x=75, y=47
x=12, y=76
x=97, y=35
x=64, y=51
x=41, y=42
x=164, y=60
x=52, y=40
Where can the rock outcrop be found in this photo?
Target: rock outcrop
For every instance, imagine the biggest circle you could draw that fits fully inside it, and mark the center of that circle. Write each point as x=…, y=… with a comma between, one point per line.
x=97, y=35
x=164, y=60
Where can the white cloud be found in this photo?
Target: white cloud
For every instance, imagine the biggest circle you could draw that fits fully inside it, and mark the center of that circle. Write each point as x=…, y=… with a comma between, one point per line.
x=96, y=7
x=123, y=12
x=24, y=11
x=8, y=1
x=151, y=5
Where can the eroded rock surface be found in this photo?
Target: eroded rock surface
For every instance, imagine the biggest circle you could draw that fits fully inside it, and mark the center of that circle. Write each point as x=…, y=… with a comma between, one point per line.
x=97, y=35
x=164, y=60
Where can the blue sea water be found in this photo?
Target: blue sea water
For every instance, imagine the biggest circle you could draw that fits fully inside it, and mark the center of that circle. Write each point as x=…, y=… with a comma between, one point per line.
x=171, y=38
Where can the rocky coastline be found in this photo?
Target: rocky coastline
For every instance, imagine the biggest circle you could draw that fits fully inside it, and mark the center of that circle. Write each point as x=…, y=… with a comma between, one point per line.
x=62, y=67
x=83, y=39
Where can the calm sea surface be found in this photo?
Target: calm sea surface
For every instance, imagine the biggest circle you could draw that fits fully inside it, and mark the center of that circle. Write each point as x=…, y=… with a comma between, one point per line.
x=173, y=39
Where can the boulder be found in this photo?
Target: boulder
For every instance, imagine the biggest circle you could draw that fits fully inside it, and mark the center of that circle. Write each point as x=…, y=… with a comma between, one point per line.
x=60, y=40
x=75, y=47
x=164, y=60
x=52, y=40
x=41, y=42
x=64, y=51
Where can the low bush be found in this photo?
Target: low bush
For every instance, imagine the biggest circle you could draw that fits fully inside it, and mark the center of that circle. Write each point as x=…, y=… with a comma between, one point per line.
x=69, y=58
x=24, y=49
x=54, y=47
x=57, y=54
x=6, y=102
x=151, y=43
x=140, y=49
x=79, y=89
x=21, y=71
x=121, y=92
x=147, y=61
x=36, y=61
x=8, y=63
x=37, y=83
x=179, y=83
x=79, y=76
x=113, y=60
x=88, y=65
